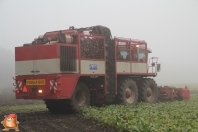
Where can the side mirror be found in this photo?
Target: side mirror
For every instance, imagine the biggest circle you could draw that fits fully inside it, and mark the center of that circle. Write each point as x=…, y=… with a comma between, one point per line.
x=158, y=67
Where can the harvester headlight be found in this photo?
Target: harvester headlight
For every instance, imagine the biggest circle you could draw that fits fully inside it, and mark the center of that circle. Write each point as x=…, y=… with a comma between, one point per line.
x=40, y=91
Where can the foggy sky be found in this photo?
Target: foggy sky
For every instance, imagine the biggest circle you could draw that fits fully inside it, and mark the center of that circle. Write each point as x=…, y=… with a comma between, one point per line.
x=170, y=27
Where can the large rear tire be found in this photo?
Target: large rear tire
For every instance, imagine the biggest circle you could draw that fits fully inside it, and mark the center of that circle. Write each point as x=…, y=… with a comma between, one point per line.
x=80, y=98
x=127, y=92
x=148, y=91
x=54, y=106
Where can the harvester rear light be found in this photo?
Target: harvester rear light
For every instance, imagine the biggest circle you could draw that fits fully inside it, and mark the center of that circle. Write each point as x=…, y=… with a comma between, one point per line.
x=40, y=91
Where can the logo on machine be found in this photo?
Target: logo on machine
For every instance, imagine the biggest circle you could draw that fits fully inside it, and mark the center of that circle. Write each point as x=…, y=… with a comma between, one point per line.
x=92, y=67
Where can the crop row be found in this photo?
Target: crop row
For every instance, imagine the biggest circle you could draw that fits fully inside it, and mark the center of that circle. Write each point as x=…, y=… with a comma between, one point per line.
x=26, y=108
x=177, y=116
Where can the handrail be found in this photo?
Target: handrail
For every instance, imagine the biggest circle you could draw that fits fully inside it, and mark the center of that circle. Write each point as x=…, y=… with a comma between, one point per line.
x=152, y=64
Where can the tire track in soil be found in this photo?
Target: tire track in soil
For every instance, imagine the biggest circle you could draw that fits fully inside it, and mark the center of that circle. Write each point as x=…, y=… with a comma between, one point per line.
x=47, y=122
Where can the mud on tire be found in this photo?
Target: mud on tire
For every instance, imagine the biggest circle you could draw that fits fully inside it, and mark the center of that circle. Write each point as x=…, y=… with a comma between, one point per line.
x=147, y=90
x=127, y=92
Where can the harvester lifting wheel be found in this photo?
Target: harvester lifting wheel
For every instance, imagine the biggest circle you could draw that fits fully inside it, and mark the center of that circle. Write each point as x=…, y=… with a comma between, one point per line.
x=127, y=91
x=148, y=91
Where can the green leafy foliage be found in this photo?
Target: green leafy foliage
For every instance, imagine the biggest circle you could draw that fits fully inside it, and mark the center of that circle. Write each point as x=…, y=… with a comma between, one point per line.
x=177, y=116
x=26, y=108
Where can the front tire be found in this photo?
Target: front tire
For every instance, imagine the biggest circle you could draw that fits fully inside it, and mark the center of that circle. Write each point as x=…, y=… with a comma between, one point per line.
x=127, y=92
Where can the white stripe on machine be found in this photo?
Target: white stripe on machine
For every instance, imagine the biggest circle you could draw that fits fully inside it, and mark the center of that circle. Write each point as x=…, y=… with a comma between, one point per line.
x=44, y=66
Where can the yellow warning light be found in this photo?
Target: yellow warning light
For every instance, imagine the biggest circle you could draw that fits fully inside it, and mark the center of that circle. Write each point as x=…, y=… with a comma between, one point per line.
x=40, y=91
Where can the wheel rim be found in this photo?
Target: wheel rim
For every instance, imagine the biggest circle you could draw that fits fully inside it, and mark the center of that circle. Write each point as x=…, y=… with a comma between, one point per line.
x=150, y=94
x=130, y=95
x=80, y=97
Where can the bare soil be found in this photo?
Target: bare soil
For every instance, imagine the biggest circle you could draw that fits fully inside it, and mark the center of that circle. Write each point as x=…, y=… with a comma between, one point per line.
x=47, y=122
x=44, y=121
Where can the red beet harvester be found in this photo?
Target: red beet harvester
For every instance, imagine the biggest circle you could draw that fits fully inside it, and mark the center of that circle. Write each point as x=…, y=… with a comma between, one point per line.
x=87, y=66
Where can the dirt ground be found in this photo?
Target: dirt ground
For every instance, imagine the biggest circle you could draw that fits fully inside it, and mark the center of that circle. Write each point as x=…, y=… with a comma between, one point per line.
x=47, y=122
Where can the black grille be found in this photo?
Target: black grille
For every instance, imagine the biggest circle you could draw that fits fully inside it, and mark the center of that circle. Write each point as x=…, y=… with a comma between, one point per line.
x=67, y=58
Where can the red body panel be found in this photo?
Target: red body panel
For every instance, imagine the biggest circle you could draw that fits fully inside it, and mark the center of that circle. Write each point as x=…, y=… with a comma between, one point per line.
x=185, y=93
x=68, y=84
x=32, y=52
x=24, y=53
x=167, y=93
x=66, y=87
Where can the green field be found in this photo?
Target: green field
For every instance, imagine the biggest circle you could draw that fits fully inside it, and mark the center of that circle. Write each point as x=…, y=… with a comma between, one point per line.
x=162, y=117
x=26, y=108
x=177, y=116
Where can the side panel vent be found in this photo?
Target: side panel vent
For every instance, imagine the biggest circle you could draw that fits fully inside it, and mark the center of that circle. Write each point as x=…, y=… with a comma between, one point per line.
x=68, y=58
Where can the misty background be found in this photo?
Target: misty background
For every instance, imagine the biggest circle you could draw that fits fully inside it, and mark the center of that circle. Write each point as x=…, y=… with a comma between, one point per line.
x=170, y=27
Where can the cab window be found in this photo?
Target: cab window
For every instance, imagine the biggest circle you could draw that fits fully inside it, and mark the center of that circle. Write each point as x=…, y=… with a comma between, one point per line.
x=123, y=51
x=138, y=53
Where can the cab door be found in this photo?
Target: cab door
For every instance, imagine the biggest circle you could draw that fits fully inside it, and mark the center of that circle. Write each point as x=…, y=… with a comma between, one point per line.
x=123, y=65
x=139, y=58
